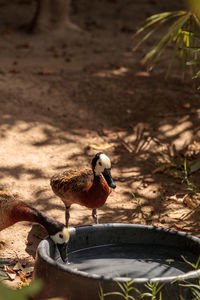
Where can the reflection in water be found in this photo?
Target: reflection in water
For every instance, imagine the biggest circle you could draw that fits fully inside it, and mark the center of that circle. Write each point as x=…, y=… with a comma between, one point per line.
x=130, y=260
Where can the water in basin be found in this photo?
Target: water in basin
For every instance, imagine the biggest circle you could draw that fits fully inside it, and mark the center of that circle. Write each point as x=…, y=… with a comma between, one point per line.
x=135, y=261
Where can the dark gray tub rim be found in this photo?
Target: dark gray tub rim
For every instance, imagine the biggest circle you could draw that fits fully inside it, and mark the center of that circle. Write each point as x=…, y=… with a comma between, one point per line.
x=42, y=252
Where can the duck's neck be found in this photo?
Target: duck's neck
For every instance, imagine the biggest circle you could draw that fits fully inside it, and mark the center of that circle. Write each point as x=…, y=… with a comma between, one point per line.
x=23, y=212
x=97, y=178
x=99, y=183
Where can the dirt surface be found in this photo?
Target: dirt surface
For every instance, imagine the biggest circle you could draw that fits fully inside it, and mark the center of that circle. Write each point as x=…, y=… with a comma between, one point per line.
x=63, y=96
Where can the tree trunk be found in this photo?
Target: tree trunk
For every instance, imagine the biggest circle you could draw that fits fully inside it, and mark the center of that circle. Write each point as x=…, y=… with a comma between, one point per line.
x=52, y=15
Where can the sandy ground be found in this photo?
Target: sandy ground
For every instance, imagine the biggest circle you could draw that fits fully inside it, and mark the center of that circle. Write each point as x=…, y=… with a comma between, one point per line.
x=60, y=95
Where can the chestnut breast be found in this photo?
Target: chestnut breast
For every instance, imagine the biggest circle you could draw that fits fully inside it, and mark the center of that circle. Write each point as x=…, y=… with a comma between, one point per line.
x=96, y=194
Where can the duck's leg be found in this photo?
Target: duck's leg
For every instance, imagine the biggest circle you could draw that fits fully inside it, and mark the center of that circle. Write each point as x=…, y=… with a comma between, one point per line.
x=67, y=215
x=95, y=216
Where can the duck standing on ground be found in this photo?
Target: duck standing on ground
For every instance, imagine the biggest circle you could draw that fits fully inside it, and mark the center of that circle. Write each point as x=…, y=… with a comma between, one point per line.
x=86, y=187
x=13, y=211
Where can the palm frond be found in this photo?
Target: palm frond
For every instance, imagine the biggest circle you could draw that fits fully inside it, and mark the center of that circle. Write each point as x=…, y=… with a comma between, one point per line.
x=181, y=34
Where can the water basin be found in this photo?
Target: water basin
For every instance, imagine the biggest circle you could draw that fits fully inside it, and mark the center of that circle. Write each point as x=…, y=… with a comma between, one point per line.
x=110, y=253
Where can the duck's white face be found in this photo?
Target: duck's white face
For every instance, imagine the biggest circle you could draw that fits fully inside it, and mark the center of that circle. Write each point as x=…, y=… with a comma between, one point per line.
x=61, y=237
x=102, y=163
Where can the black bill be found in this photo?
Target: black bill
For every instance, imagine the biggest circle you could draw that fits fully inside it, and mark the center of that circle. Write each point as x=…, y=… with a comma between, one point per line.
x=108, y=178
x=63, y=251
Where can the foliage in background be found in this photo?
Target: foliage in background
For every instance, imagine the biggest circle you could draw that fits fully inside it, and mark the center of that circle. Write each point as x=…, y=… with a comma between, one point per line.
x=125, y=287
x=20, y=294
x=182, y=34
x=3, y=274
x=190, y=185
x=153, y=291
x=195, y=288
x=194, y=50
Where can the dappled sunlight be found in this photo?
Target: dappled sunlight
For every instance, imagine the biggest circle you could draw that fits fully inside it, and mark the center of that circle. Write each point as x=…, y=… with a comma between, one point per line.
x=18, y=171
x=110, y=73
x=128, y=171
x=137, y=135
x=70, y=99
x=170, y=131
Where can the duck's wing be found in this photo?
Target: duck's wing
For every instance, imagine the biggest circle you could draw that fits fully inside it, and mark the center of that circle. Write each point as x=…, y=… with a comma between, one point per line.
x=70, y=182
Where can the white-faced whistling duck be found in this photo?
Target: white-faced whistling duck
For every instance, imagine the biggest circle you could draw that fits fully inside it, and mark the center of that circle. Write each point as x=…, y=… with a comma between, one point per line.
x=13, y=211
x=87, y=187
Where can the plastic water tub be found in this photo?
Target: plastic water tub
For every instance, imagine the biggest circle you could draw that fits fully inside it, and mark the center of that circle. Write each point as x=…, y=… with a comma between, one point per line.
x=108, y=254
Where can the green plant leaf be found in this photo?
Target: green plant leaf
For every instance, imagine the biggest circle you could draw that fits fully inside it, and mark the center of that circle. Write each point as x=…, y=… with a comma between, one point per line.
x=156, y=18
x=197, y=75
x=122, y=287
x=176, y=48
x=114, y=293
x=173, y=30
x=160, y=19
x=191, y=286
x=195, y=49
x=159, y=288
x=191, y=34
x=20, y=294
x=196, y=20
x=3, y=275
x=182, y=32
x=148, y=34
x=145, y=295
x=195, y=167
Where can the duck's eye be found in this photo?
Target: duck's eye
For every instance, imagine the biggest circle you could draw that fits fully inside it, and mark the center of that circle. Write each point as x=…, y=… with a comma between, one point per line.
x=61, y=235
x=100, y=163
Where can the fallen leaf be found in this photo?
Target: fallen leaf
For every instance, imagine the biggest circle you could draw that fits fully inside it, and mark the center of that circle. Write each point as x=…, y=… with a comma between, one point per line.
x=163, y=168
x=188, y=201
x=172, y=198
x=101, y=146
x=28, y=271
x=169, y=260
x=22, y=276
x=11, y=274
x=177, y=227
x=186, y=105
x=105, y=132
x=195, y=167
x=17, y=266
x=119, y=72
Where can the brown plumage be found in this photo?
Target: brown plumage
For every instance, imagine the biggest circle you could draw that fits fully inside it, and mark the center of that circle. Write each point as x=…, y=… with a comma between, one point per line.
x=13, y=211
x=86, y=187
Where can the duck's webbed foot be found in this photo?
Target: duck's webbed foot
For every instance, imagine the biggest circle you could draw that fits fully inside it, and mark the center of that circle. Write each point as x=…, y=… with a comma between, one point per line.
x=95, y=216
